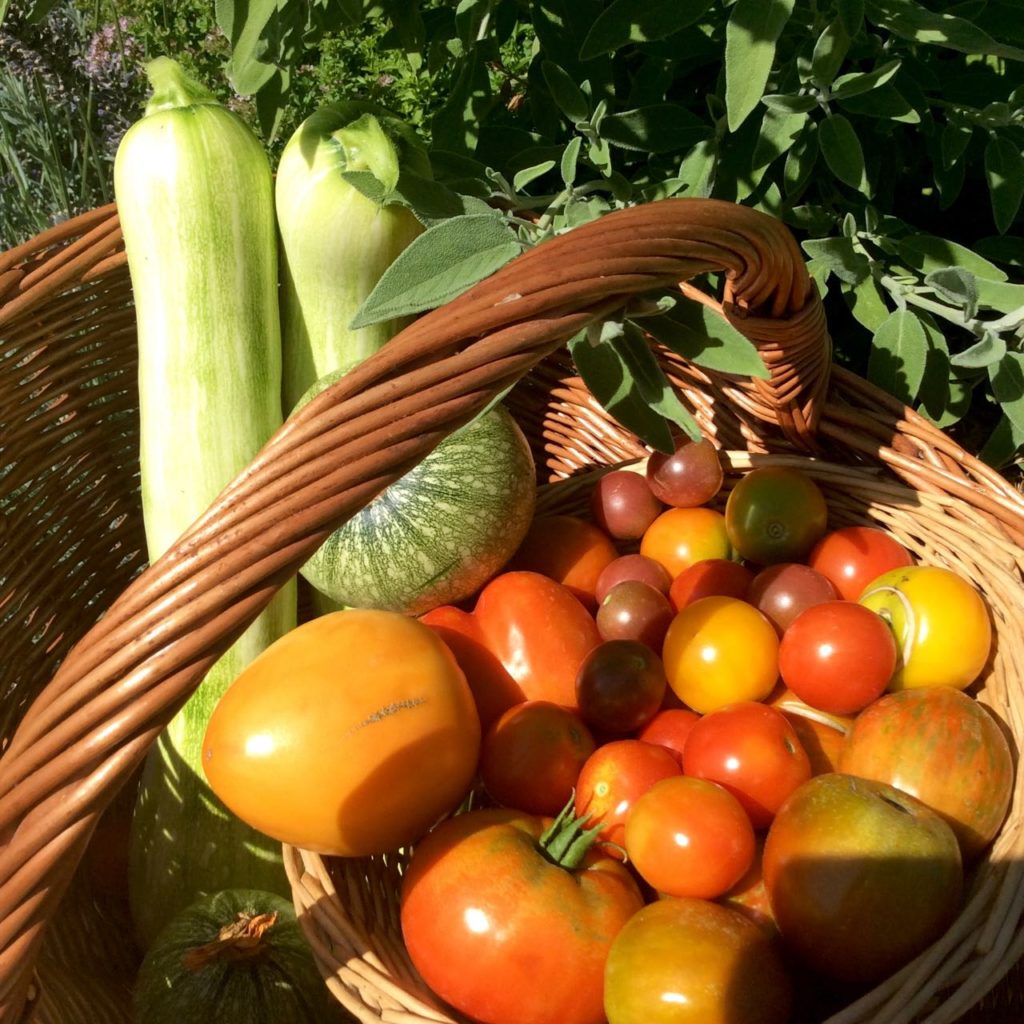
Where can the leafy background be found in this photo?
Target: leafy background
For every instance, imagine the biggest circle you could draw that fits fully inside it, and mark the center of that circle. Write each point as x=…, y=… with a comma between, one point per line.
x=887, y=133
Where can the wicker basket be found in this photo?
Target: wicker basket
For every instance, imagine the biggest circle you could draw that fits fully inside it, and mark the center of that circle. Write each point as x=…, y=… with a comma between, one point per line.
x=99, y=654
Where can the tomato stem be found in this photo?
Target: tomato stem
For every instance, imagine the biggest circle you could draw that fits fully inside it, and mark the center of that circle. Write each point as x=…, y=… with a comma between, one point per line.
x=565, y=841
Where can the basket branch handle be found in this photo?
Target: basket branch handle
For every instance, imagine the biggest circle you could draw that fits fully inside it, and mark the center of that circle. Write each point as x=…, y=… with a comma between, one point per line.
x=130, y=674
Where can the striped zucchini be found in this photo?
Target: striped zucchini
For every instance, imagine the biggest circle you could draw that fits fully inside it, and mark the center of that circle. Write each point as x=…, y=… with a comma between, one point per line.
x=195, y=198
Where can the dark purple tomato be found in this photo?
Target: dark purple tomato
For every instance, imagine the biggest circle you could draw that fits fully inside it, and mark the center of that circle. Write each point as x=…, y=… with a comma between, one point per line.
x=692, y=475
x=620, y=687
x=781, y=592
x=633, y=610
x=623, y=505
x=632, y=567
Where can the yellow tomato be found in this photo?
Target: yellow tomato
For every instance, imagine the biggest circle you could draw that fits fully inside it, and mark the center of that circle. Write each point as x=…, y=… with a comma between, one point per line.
x=719, y=650
x=350, y=735
x=681, y=537
x=941, y=623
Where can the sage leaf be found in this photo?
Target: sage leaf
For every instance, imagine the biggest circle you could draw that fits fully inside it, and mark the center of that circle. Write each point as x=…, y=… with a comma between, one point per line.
x=639, y=21
x=753, y=28
x=857, y=82
x=707, y=339
x=909, y=20
x=898, y=354
x=840, y=256
x=842, y=151
x=1004, y=173
x=929, y=253
x=1007, y=379
x=985, y=352
x=659, y=128
x=957, y=286
x=569, y=97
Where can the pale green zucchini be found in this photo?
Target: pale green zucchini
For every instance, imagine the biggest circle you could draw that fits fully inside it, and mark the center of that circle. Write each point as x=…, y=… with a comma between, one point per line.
x=195, y=199
x=335, y=241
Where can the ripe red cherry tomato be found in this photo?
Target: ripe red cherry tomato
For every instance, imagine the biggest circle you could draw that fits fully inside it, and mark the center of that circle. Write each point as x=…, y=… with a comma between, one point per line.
x=838, y=656
x=531, y=757
x=752, y=750
x=854, y=556
x=614, y=777
x=689, y=837
x=669, y=728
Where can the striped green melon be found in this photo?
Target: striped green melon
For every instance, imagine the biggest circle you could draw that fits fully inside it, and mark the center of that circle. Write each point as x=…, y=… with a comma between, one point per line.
x=440, y=532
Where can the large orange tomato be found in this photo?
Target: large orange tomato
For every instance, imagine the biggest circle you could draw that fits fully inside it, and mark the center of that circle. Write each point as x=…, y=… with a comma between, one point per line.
x=350, y=735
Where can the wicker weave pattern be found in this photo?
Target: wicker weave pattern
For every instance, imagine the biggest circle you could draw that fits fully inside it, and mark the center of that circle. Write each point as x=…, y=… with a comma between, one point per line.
x=125, y=679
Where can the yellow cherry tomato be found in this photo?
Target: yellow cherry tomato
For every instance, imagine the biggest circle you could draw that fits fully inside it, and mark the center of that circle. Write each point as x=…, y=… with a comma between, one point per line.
x=941, y=623
x=681, y=537
x=719, y=650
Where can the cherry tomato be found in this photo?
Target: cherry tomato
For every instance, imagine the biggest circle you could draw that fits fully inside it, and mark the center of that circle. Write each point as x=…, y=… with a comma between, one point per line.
x=620, y=686
x=752, y=751
x=388, y=753
x=632, y=610
x=689, y=837
x=720, y=650
x=536, y=632
x=689, y=961
x=531, y=757
x=775, y=514
x=853, y=556
x=783, y=591
x=941, y=624
x=820, y=733
x=749, y=895
x=567, y=549
x=623, y=505
x=612, y=779
x=714, y=577
x=633, y=567
x=692, y=475
x=505, y=930
x=837, y=656
x=669, y=728
x=680, y=537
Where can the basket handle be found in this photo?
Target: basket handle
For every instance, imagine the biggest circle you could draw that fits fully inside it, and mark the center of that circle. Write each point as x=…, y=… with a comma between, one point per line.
x=124, y=681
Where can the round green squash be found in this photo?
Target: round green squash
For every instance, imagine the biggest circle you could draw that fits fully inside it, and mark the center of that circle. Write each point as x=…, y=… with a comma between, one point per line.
x=236, y=957
x=440, y=532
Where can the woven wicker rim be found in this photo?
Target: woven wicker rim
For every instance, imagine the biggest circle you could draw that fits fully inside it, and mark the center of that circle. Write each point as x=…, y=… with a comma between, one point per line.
x=123, y=681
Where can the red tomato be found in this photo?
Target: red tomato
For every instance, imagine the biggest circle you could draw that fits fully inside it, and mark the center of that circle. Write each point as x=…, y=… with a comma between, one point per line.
x=689, y=837
x=781, y=592
x=669, y=728
x=504, y=934
x=568, y=549
x=837, y=656
x=854, y=556
x=686, y=961
x=714, y=577
x=680, y=537
x=719, y=650
x=531, y=757
x=537, y=633
x=943, y=747
x=614, y=777
x=752, y=751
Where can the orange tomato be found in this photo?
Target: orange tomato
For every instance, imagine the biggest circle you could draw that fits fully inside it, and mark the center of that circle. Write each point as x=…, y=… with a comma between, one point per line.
x=350, y=735
x=681, y=537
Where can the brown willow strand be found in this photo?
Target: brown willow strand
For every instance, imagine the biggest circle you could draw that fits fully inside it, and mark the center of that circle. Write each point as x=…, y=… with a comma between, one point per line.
x=81, y=224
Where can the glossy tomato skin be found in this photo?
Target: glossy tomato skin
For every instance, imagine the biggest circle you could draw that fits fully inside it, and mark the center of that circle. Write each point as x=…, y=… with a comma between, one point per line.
x=689, y=837
x=531, y=756
x=669, y=728
x=851, y=557
x=781, y=592
x=775, y=514
x=940, y=622
x=681, y=537
x=942, y=747
x=713, y=577
x=568, y=549
x=389, y=744
x=751, y=750
x=691, y=961
x=837, y=656
x=620, y=687
x=504, y=935
x=614, y=777
x=720, y=650
x=821, y=734
x=536, y=634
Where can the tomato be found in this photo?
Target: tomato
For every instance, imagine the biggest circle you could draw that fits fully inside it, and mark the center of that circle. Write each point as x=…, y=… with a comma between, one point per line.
x=720, y=650
x=669, y=728
x=689, y=837
x=526, y=637
x=837, y=656
x=633, y=567
x=567, y=549
x=690, y=961
x=942, y=747
x=775, y=514
x=752, y=751
x=851, y=557
x=330, y=742
x=821, y=734
x=502, y=931
x=620, y=686
x=713, y=577
x=782, y=591
x=531, y=756
x=614, y=777
x=623, y=504
x=861, y=877
x=941, y=624
x=749, y=895
x=680, y=537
